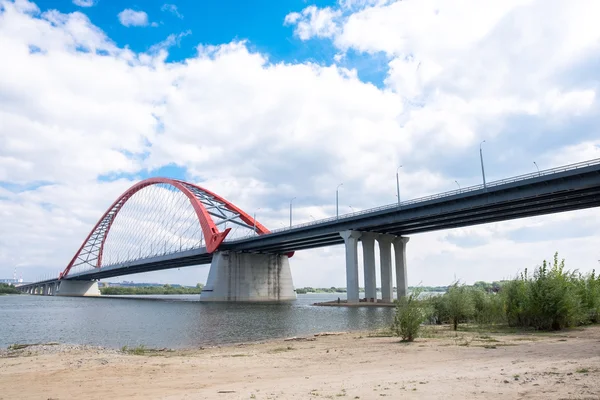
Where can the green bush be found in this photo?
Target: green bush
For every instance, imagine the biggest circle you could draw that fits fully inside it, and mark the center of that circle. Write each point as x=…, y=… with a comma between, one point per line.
x=515, y=299
x=410, y=314
x=438, y=307
x=459, y=302
x=551, y=299
x=488, y=307
x=588, y=290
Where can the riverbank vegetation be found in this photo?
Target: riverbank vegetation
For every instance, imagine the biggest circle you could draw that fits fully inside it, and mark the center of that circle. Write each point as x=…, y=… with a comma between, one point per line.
x=332, y=289
x=165, y=289
x=5, y=288
x=551, y=298
x=309, y=289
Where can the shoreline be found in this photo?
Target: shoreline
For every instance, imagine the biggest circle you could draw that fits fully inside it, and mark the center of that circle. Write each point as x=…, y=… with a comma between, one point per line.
x=478, y=364
x=344, y=303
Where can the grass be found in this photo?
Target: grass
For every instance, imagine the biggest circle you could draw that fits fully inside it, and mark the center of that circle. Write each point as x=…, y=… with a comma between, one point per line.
x=20, y=346
x=141, y=350
x=282, y=349
x=582, y=370
x=382, y=333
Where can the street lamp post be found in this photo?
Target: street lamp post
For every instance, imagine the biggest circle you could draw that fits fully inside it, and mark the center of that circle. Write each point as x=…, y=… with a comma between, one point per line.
x=458, y=185
x=398, y=185
x=482, y=169
x=538, y=168
x=337, y=210
x=255, y=220
x=291, y=211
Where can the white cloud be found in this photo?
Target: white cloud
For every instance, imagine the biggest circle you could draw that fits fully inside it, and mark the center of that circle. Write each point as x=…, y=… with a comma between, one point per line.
x=172, y=8
x=313, y=21
x=170, y=41
x=259, y=133
x=84, y=3
x=129, y=17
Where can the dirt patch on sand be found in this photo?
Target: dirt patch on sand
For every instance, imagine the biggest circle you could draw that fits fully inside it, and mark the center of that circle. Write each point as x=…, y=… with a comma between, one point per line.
x=466, y=365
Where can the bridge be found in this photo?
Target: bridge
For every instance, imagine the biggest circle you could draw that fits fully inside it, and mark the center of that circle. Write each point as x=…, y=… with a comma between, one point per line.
x=163, y=223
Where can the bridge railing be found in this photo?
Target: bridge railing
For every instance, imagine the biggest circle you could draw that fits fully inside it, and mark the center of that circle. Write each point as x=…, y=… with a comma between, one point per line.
x=454, y=192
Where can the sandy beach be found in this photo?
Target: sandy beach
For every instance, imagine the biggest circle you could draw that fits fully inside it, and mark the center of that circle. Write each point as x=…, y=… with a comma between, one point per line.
x=463, y=365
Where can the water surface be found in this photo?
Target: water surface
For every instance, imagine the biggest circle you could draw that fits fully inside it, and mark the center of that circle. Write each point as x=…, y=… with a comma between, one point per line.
x=178, y=321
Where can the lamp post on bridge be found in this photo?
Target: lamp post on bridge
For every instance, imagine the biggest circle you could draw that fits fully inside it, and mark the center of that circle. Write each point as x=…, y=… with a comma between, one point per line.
x=458, y=186
x=482, y=169
x=398, y=184
x=254, y=230
x=291, y=211
x=538, y=168
x=337, y=209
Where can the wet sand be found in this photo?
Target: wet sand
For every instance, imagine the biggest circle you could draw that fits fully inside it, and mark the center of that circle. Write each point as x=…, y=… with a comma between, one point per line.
x=463, y=365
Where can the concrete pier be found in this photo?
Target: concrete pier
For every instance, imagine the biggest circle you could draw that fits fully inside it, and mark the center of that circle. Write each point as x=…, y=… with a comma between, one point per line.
x=247, y=277
x=351, y=241
x=76, y=288
x=385, y=254
x=368, y=244
x=400, y=255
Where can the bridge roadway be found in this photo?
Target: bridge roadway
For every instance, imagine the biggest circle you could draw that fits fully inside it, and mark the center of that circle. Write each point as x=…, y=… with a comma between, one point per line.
x=572, y=187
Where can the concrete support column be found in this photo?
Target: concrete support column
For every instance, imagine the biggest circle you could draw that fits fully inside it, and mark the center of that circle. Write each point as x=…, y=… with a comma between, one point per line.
x=351, y=240
x=400, y=253
x=77, y=288
x=385, y=253
x=246, y=277
x=368, y=244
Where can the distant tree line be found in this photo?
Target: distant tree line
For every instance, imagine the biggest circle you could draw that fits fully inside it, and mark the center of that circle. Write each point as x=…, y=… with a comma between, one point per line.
x=309, y=289
x=485, y=286
x=5, y=288
x=165, y=289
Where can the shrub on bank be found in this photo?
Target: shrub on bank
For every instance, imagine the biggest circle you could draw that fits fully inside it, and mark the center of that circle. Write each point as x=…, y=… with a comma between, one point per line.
x=551, y=299
x=410, y=314
x=588, y=289
x=488, y=307
x=459, y=302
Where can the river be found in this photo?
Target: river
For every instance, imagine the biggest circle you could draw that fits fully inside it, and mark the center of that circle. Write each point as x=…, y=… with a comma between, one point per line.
x=177, y=321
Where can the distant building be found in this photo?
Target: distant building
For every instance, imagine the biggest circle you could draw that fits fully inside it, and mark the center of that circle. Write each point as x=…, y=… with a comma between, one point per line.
x=11, y=281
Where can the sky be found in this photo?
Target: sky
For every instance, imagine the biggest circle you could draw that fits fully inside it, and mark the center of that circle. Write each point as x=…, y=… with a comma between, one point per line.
x=266, y=101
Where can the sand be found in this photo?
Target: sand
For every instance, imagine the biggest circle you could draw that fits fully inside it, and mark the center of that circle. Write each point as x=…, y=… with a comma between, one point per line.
x=564, y=365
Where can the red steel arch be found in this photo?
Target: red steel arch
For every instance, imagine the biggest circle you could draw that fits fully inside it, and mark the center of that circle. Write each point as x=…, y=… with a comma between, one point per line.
x=213, y=237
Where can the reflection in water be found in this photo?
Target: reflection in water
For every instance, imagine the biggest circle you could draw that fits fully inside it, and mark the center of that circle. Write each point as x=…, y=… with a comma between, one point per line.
x=173, y=321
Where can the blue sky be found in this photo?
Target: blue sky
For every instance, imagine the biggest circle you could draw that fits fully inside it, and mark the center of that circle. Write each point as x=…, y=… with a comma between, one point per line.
x=265, y=101
x=261, y=23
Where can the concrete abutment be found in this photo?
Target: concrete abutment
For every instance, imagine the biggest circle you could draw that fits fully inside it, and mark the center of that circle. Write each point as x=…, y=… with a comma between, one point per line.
x=76, y=288
x=249, y=277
